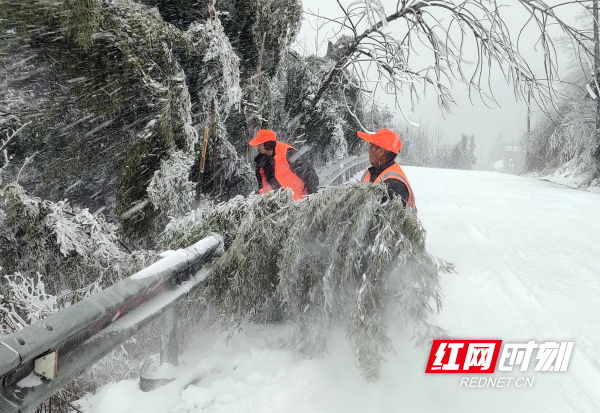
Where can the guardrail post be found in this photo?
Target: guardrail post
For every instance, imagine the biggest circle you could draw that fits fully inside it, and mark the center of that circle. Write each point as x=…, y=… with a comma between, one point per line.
x=169, y=352
x=151, y=376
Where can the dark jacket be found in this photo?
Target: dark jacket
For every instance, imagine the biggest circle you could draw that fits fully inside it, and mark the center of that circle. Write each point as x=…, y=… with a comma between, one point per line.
x=303, y=168
x=395, y=187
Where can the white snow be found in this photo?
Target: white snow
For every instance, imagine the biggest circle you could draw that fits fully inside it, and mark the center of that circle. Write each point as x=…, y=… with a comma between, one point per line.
x=165, y=253
x=170, y=259
x=571, y=175
x=163, y=264
x=527, y=253
x=498, y=165
x=32, y=380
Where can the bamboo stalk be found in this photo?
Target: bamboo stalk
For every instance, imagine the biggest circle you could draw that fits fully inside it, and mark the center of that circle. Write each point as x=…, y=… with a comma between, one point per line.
x=215, y=164
x=252, y=129
x=204, y=145
x=260, y=58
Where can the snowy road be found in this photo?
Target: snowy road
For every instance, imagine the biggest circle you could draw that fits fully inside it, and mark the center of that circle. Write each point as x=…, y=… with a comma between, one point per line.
x=527, y=254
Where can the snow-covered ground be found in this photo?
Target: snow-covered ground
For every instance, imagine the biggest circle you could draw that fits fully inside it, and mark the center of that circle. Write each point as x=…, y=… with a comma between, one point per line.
x=527, y=254
x=572, y=174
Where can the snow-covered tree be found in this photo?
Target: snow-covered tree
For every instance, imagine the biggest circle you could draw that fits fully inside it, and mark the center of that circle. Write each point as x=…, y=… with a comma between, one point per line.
x=563, y=137
x=53, y=255
x=418, y=44
x=121, y=90
x=425, y=146
x=331, y=133
x=463, y=153
x=339, y=257
x=58, y=250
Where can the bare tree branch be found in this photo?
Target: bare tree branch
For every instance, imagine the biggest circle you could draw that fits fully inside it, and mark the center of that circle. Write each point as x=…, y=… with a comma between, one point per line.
x=444, y=32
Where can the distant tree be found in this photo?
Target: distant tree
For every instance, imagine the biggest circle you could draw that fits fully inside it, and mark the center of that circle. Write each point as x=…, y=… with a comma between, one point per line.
x=463, y=153
x=496, y=152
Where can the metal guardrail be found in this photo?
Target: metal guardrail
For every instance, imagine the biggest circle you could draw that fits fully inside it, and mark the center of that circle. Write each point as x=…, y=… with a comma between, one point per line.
x=342, y=171
x=42, y=358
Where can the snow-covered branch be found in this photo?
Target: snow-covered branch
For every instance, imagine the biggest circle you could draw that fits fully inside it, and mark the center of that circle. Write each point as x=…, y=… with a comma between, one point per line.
x=444, y=33
x=340, y=256
x=4, y=147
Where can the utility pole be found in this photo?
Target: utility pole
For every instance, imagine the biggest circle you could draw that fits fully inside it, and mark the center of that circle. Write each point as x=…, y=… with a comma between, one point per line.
x=597, y=82
x=528, y=142
x=512, y=157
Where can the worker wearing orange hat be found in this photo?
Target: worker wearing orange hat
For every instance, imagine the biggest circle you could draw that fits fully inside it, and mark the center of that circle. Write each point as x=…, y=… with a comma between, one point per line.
x=274, y=170
x=385, y=145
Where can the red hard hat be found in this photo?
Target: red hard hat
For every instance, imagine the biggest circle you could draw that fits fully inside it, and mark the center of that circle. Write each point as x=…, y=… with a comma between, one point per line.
x=385, y=138
x=262, y=136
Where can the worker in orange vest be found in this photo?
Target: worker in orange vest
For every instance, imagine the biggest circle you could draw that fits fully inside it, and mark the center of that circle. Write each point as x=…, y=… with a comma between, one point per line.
x=385, y=145
x=274, y=169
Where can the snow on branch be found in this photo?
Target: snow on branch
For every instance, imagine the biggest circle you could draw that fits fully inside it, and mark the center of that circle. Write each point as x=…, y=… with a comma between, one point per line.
x=30, y=297
x=4, y=147
x=425, y=44
x=70, y=252
x=170, y=189
x=372, y=9
x=222, y=58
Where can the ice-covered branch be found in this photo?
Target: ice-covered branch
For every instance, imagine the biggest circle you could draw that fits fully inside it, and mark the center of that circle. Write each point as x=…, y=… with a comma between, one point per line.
x=4, y=147
x=444, y=32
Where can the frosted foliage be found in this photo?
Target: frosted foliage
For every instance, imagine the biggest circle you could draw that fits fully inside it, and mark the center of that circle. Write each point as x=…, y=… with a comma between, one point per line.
x=5, y=158
x=175, y=110
x=29, y=303
x=30, y=296
x=565, y=142
x=82, y=233
x=53, y=249
x=339, y=143
x=337, y=257
x=349, y=258
x=335, y=110
x=233, y=167
x=10, y=320
x=219, y=50
x=223, y=218
x=171, y=189
x=55, y=254
x=185, y=113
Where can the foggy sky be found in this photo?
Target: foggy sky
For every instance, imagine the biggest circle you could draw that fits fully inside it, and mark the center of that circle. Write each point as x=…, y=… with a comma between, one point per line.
x=508, y=117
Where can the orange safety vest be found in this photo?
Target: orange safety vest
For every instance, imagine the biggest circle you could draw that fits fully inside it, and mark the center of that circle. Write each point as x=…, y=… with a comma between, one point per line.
x=393, y=172
x=283, y=174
